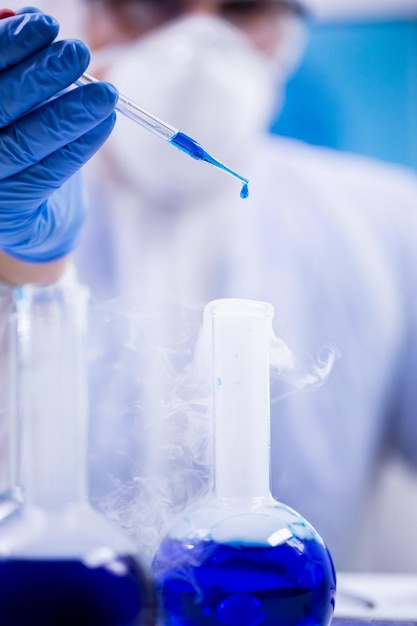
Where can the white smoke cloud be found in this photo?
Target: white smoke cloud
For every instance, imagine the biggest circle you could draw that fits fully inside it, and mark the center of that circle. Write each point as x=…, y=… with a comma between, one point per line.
x=170, y=439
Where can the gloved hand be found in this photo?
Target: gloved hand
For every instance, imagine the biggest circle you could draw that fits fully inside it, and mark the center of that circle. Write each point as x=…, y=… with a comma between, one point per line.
x=43, y=144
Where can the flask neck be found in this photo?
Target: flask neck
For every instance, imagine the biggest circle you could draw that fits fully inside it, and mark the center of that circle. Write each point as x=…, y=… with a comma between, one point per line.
x=241, y=398
x=53, y=395
x=8, y=398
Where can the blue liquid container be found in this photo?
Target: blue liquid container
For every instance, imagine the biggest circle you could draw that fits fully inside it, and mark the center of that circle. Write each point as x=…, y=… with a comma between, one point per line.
x=242, y=558
x=226, y=574
x=61, y=562
x=37, y=592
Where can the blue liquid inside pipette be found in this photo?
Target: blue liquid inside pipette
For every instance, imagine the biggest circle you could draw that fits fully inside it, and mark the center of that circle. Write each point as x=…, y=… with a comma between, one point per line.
x=69, y=593
x=204, y=583
x=196, y=151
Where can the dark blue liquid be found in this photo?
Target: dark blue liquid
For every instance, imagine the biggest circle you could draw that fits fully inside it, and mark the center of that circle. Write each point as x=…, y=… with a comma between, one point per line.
x=68, y=593
x=206, y=583
x=196, y=151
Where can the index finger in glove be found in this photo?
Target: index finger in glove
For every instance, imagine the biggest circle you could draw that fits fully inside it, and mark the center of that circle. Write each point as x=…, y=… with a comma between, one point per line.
x=50, y=127
x=38, y=78
x=30, y=224
x=24, y=35
x=21, y=194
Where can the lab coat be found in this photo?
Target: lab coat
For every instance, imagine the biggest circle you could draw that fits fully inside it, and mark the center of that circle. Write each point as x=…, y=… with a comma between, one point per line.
x=330, y=240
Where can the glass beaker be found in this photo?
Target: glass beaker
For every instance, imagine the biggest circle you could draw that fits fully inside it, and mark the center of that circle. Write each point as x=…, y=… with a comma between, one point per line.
x=241, y=557
x=61, y=562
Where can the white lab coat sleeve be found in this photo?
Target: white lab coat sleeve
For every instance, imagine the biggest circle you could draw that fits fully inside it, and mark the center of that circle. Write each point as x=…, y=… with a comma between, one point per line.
x=403, y=422
x=402, y=432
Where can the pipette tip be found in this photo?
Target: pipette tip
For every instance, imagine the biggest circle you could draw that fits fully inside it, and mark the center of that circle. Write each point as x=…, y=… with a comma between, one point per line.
x=196, y=151
x=178, y=139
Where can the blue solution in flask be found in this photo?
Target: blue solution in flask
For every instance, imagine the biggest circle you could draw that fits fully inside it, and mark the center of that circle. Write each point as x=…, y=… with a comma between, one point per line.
x=241, y=558
x=244, y=584
x=37, y=593
x=62, y=562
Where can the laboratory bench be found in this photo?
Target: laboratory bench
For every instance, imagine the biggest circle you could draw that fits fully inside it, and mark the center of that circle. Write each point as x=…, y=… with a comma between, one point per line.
x=363, y=622
x=377, y=599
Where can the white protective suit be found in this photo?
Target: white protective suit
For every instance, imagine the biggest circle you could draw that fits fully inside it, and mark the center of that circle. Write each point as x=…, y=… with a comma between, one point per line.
x=328, y=239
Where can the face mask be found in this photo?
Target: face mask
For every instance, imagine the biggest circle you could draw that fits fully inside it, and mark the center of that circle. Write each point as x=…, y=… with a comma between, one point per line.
x=291, y=43
x=202, y=76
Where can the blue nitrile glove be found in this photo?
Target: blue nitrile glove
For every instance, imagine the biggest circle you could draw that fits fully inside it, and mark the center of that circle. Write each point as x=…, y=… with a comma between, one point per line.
x=41, y=149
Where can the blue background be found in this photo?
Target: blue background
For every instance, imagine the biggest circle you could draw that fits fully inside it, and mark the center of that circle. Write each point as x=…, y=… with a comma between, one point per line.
x=356, y=90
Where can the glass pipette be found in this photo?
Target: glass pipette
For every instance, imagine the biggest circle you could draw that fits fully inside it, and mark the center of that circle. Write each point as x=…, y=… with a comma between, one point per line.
x=139, y=115
x=178, y=139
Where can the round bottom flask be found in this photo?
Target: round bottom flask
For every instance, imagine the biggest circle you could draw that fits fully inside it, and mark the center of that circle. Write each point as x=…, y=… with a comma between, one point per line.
x=61, y=562
x=242, y=558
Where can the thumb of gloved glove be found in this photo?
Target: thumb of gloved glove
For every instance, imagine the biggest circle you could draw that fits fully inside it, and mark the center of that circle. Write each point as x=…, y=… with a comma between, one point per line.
x=43, y=143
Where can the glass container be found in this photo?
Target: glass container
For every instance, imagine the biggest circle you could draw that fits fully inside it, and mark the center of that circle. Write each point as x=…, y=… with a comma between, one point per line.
x=9, y=491
x=241, y=557
x=61, y=562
